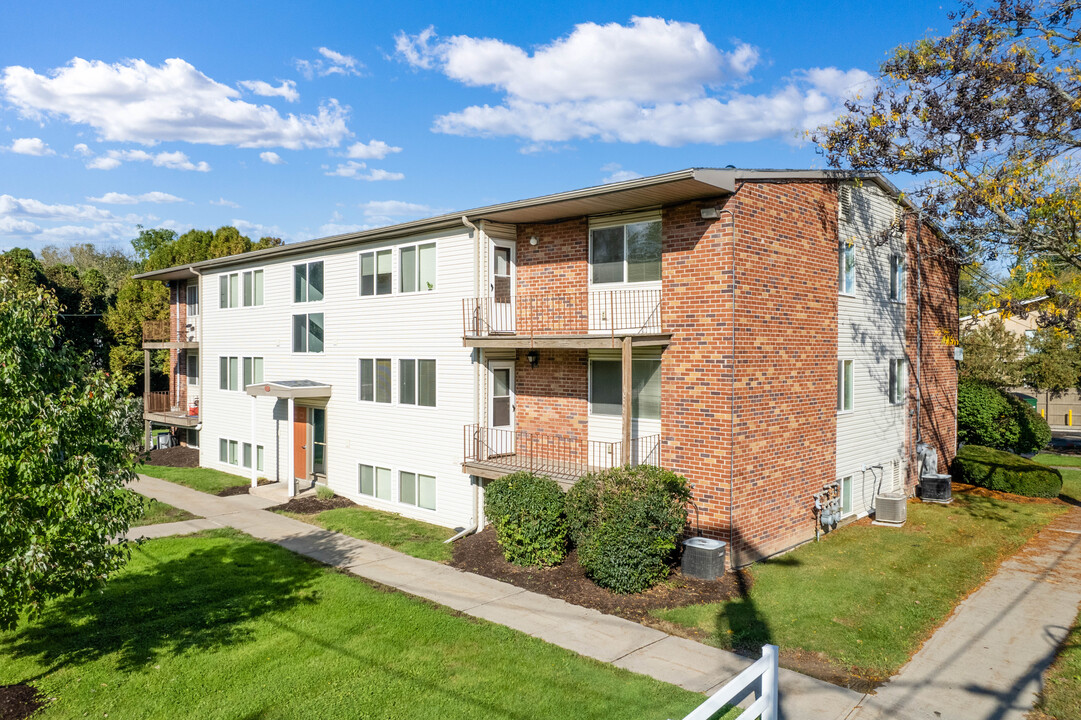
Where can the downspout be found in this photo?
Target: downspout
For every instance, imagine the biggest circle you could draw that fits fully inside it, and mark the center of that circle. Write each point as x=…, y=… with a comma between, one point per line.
x=732, y=398
x=199, y=335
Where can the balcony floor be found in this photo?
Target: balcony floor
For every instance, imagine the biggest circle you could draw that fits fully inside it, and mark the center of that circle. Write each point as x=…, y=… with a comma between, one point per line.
x=174, y=419
x=564, y=473
x=605, y=340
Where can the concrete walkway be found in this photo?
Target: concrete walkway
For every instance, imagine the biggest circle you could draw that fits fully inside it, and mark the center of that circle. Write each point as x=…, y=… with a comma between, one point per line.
x=987, y=660
x=623, y=643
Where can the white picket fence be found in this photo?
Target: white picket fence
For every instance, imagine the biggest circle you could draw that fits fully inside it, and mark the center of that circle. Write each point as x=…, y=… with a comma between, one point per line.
x=765, y=707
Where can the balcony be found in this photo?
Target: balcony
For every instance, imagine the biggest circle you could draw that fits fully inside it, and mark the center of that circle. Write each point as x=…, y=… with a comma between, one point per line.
x=158, y=407
x=494, y=452
x=159, y=335
x=587, y=319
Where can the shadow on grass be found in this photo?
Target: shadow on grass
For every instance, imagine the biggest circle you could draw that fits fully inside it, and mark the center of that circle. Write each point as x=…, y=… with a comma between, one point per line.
x=170, y=606
x=741, y=616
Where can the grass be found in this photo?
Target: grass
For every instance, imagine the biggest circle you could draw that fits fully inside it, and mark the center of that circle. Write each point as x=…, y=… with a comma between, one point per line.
x=867, y=597
x=219, y=625
x=202, y=479
x=1061, y=695
x=1071, y=479
x=1058, y=460
x=156, y=512
x=413, y=537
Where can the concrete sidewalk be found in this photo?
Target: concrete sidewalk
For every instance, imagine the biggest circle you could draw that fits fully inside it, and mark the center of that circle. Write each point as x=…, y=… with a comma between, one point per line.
x=986, y=662
x=623, y=643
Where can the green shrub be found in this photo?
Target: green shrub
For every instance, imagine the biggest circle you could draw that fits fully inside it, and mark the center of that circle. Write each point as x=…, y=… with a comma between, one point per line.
x=992, y=418
x=1006, y=472
x=323, y=492
x=527, y=514
x=626, y=523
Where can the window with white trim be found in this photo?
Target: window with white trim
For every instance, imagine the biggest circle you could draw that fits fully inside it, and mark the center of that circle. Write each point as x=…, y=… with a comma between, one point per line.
x=374, y=481
x=192, y=300
x=191, y=366
x=897, y=278
x=416, y=382
x=228, y=451
x=898, y=378
x=228, y=290
x=253, y=371
x=253, y=288
x=259, y=455
x=308, y=333
x=416, y=489
x=845, y=385
x=246, y=455
x=229, y=373
x=416, y=268
x=376, y=272
x=846, y=494
x=846, y=269
x=374, y=380
x=606, y=388
x=308, y=282
x=625, y=253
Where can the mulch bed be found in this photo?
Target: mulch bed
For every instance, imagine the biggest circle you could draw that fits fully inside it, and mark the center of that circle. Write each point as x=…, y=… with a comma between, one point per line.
x=182, y=457
x=240, y=489
x=19, y=701
x=313, y=505
x=481, y=554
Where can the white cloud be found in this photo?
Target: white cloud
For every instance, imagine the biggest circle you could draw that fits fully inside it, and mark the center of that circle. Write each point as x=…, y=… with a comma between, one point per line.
x=257, y=230
x=271, y=158
x=393, y=208
x=172, y=160
x=352, y=169
x=225, y=203
x=115, y=198
x=374, y=150
x=287, y=90
x=134, y=101
x=83, y=149
x=30, y=146
x=616, y=173
x=28, y=207
x=15, y=226
x=332, y=63
x=653, y=81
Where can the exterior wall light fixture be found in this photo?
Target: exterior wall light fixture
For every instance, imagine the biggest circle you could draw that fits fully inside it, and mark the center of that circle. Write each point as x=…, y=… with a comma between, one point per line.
x=533, y=357
x=533, y=240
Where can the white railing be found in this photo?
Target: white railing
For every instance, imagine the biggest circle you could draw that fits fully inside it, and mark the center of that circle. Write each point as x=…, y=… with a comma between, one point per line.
x=767, y=706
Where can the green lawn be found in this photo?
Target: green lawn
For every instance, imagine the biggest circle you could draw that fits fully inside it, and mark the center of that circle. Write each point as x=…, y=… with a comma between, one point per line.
x=867, y=597
x=1061, y=696
x=219, y=625
x=204, y=479
x=1049, y=458
x=1071, y=479
x=155, y=512
x=419, y=539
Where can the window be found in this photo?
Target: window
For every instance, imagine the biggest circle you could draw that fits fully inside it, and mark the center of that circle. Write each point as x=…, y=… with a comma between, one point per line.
x=223, y=450
x=374, y=481
x=308, y=282
x=897, y=381
x=191, y=366
x=246, y=455
x=626, y=253
x=253, y=371
x=375, y=273
x=308, y=333
x=259, y=458
x=228, y=290
x=253, y=288
x=846, y=495
x=416, y=382
x=844, y=385
x=229, y=373
x=847, y=267
x=606, y=388
x=193, y=300
x=416, y=268
x=228, y=452
x=374, y=380
x=897, y=278
x=233, y=452
x=416, y=489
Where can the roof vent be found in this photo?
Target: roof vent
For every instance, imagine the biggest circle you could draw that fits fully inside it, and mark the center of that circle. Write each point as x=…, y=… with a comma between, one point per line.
x=845, y=201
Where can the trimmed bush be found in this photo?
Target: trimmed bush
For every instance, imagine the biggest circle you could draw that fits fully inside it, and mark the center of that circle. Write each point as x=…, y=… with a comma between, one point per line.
x=626, y=523
x=1005, y=472
x=989, y=417
x=527, y=513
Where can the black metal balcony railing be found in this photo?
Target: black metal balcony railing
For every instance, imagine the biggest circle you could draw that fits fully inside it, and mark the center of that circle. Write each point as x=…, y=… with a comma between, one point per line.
x=597, y=312
x=554, y=455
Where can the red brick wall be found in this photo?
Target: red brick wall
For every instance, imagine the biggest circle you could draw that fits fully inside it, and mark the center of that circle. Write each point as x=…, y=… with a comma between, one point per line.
x=939, y=329
x=553, y=397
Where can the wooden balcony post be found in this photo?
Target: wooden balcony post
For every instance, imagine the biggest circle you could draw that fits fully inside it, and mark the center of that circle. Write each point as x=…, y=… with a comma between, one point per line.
x=625, y=454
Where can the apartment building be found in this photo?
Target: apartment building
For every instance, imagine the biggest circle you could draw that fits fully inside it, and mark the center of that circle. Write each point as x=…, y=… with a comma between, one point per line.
x=765, y=333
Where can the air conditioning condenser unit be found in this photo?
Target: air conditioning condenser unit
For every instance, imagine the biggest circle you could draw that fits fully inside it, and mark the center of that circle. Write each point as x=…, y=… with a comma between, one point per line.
x=891, y=509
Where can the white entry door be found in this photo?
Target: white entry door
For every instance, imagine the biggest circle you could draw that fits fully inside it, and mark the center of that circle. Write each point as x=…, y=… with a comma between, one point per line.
x=503, y=259
x=501, y=408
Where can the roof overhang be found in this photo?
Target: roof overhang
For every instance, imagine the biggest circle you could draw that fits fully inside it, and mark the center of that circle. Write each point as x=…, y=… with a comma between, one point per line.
x=289, y=389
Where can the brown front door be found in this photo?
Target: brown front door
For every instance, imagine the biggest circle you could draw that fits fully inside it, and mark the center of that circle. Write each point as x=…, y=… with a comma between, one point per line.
x=300, y=442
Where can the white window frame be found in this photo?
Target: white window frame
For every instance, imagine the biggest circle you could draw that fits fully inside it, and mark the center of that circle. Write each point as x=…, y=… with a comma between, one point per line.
x=189, y=355
x=844, y=482
x=307, y=332
x=374, y=400
x=245, y=363
x=227, y=375
x=375, y=482
x=416, y=268
x=623, y=223
x=192, y=307
x=416, y=480
x=307, y=282
x=898, y=277
x=589, y=386
x=843, y=249
x=260, y=285
x=396, y=370
x=247, y=457
x=898, y=381
x=375, y=252
x=844, y=376
x=232, y=295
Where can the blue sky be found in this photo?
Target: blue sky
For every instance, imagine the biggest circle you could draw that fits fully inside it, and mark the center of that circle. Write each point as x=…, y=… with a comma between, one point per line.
x=301, y=120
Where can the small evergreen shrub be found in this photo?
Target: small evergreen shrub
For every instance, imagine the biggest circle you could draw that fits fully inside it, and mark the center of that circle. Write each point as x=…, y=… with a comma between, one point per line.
x=626, y=523
x=1005, y=472
x=527, y=513
x=1034, y=434
x=323, y=492
x=989, y=417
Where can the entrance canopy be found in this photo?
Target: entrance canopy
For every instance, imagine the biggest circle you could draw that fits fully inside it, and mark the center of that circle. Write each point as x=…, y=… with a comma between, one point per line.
x=291, y=389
